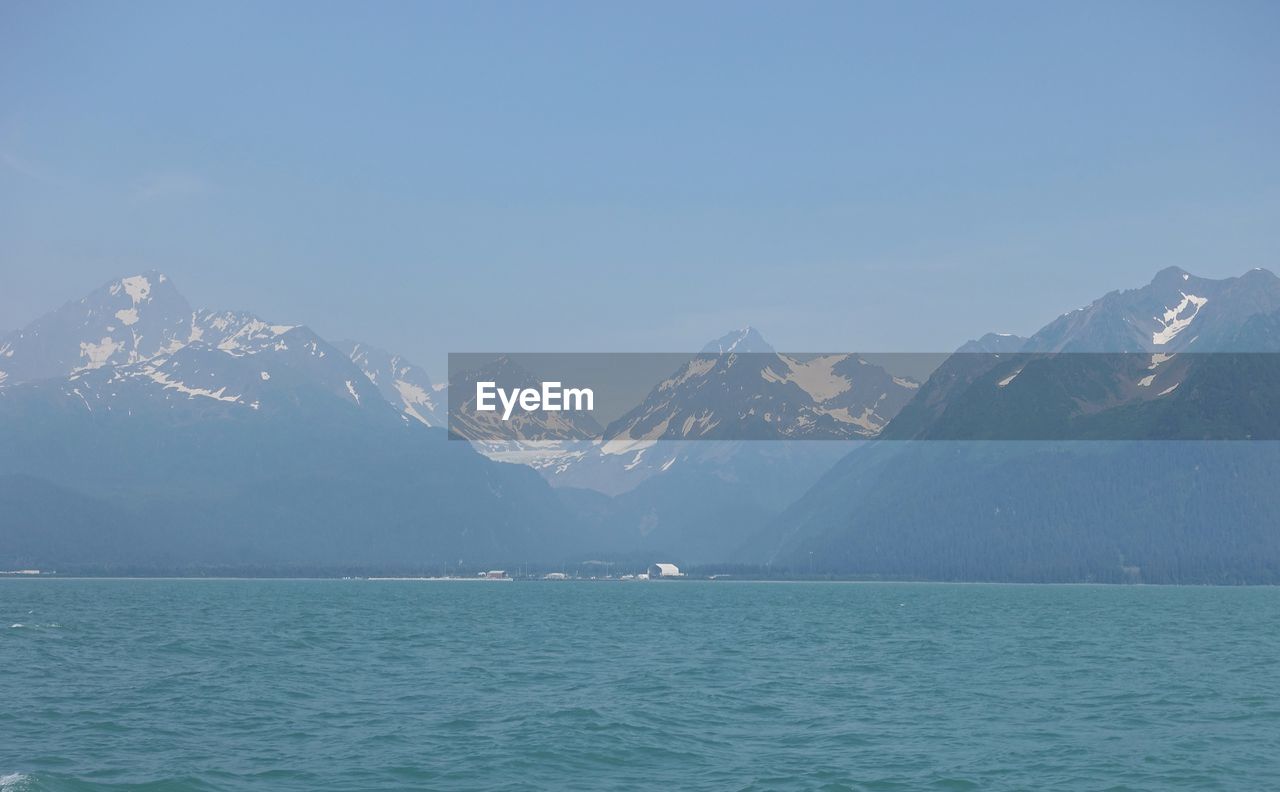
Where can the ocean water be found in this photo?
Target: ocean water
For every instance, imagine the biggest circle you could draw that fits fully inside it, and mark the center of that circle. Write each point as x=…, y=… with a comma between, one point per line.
x=354, y=685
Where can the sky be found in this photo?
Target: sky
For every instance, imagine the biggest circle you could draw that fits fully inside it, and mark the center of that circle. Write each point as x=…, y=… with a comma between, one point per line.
x=436, y=177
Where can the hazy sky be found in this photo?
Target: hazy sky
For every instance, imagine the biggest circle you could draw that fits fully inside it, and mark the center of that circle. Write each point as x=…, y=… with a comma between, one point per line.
x=547, y=176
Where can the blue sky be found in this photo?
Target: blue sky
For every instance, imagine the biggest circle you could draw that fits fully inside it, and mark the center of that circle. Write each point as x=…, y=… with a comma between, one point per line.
x=435, y=177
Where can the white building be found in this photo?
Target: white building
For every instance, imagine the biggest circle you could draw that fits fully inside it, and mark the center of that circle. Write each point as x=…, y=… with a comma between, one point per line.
x=664, y=571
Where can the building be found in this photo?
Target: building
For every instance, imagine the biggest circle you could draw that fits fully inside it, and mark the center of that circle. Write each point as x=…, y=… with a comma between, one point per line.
x=664, y=571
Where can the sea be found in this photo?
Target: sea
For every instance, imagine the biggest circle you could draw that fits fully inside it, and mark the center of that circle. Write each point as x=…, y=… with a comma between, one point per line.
x=149, y=684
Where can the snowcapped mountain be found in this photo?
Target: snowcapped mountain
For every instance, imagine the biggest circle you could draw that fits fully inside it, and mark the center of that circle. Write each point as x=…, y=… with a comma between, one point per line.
x=400, y=382
x=214, y=437
x=125, y=321
x=1176, y=311
x=292, y=369
x=1135, y=364
x=767, y=395
x=152, y=348
x=716, y=398
x=1041, y=509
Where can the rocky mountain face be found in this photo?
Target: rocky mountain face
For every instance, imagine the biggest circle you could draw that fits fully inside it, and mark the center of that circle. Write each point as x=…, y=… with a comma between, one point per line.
x=1181, y=358
x=1175, y=312
x=125, y=321
x=198, y=438
x=1172, y=360
x=767, y=396
x=400, y=382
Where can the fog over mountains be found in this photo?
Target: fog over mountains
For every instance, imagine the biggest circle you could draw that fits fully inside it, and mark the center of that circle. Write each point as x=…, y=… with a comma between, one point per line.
x=140, y=433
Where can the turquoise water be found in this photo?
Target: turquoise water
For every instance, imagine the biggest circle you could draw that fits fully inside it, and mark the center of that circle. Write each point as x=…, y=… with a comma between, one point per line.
x=352, y=685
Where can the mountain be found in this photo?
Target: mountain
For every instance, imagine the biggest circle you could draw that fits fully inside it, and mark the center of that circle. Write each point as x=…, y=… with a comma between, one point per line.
x=684, y=478
x=698, y=501
x=1046, y=507
x=745, y=341
x=125, y=321
x=1176, y=312
x=1124, y=367
x=400, y=382
x=713, y=396
x=994, y=343
x=245, y=443
x=767, y=396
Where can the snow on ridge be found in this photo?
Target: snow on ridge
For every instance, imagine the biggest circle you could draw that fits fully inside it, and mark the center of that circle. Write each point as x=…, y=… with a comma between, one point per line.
x=99, y=353
x=137, y=287
x=815, y=377
x=242, y=341
x=170, y=384
x=1172, y=321
x=414, y=396
x=622, y=445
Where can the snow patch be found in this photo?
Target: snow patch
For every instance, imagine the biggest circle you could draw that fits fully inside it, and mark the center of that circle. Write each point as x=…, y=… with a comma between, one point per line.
x=161, y=378
x=623, y=445
x=127, y=316
x=411, y=394
x=1169, y=389
x=1146, y=381
x=265, y=376
x=1173, y=321
x=137, y=287
x=99, y=353
x=815, y=377
x=352, y=390
x=867, y=420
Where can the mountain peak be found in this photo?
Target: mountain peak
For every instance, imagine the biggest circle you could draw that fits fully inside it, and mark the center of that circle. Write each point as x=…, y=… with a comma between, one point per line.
x=745, y=340
x=1172, y=274
x=121, y=322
